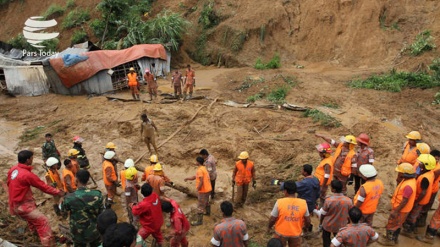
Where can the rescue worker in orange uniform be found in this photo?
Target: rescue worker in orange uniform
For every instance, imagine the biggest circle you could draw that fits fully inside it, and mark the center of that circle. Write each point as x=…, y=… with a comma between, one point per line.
x=410, y=150
x=423, y=192
x=402, y=202
x=73, y=154
x=109, y=177
x=189, y=83
x=53, y=179
x=368, y=196
x=203, y=186
x=244, y=172
x=421, y=220
x=343, y=158
x=151, y=84
x=289, y=216
x=69, y=180
x=149, y=170
x=133, y=83
x=364, y=155
x=324, y=171
x=156, y=181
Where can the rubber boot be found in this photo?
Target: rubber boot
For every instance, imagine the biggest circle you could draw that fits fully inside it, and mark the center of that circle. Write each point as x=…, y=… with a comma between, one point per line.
x=396, y=235
x=134, y=96
x=198, y=221
x=408, y=230
x=208, y=210
x=389, y=240
x=429, y=236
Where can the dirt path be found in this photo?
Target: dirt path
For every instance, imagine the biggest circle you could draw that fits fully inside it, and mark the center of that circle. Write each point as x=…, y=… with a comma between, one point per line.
x=226, y=131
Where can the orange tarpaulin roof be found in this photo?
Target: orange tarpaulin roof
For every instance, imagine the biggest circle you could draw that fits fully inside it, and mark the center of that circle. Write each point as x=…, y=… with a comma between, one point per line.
x=103, y=59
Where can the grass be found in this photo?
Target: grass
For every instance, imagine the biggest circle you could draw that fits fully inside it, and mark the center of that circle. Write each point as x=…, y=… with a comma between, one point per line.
x=331, y=105
x=436, y=99
x=278, y=95
x=79, y=36
x=53, y=11
x=208, y=16
x=274, y=63
x=424, y=42
x=290, y=80
x=395, y=81
x=75, y=18
x=324, y=119
x=249, y=82
x=238, y=42
x=255, y=97
x=31, y=134
x=70, y=4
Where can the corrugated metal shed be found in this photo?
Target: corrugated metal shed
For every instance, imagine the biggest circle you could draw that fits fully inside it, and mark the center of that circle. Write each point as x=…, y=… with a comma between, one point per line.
x=26, y=80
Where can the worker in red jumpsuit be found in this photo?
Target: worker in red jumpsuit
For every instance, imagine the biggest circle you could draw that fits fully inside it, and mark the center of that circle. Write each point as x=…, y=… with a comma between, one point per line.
x=21, y=200
x=178, y=221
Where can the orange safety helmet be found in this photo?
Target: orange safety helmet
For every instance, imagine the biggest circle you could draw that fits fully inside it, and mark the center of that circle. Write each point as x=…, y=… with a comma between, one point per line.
x=363, y=138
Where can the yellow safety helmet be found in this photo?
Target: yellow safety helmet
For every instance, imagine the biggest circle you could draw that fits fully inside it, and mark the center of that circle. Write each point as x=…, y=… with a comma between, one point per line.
x=110, y=145
x=72, y=152
x=349, y=139
x=414, y=135
x=153, y=158
x=130, y=173
x=405, y=168
x=423, y=148
x=427, y=160
x=243, y=155
x=157, y=167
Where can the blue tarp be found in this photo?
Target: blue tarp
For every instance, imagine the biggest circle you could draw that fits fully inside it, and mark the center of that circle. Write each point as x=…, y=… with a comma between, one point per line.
x=70, y=60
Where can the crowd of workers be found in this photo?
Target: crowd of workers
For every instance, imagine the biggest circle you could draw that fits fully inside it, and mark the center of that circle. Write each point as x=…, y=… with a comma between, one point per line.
x=178, y=81
x=348, y=220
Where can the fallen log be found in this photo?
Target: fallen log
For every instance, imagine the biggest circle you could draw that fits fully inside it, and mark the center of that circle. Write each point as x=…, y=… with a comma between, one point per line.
x=126, y=100
x=183, y=190
x=294, y=107
x=235, y=104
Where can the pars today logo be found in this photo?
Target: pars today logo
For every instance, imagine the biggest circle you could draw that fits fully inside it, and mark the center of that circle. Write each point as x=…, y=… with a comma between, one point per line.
x=34, y=34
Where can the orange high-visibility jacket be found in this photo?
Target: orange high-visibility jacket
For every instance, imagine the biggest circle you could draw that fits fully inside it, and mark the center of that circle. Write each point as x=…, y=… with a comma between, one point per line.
x=105, y=165
x=373, y=191
x=291, y=213
x=430, y=176
x=203, y=174
x=410, y=155
x=122, y=176
x=345, y=168
x=320, y=171
x=244, y=174
x=54, y=177
x=398, y=195
x=132, y=79
x=73, y=184
x=435, y=185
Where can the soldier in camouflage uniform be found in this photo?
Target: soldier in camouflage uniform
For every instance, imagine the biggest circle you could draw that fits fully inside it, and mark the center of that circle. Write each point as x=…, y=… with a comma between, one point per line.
x=49, y=149
x=84, y=205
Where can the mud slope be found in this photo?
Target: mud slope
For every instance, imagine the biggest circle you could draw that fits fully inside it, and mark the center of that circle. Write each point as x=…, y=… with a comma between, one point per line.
x=286, y=142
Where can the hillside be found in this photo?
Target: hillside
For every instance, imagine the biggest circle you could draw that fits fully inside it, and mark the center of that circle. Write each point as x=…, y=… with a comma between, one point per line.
x=344, y=32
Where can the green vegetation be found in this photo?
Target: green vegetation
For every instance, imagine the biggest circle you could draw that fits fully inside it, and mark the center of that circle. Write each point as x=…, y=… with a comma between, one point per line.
x=238, y=41
x=396, y=81
x=274, y=63
x=331, y=105
x=4, y=2
x=255, y=97
x=262, y=33
x=290, y=80
x=31, y=134
x=249, y=82
x=199, y=54
x=324, y=119
x=70, y=4
x=435, y=68
x=75, y=18
x=278, y=95
x=53, y=11
x=19, y=42
x=79, y=36
x=208, y=16
x=424, y=42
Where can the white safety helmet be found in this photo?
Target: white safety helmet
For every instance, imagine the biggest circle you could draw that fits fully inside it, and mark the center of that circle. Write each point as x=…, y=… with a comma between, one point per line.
x=109, y=155
x=128, y=163
x=52, y=161
x=368, y=170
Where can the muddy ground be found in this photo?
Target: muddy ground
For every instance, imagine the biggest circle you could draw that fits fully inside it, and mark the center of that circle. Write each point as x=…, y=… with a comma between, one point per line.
x=286, y=142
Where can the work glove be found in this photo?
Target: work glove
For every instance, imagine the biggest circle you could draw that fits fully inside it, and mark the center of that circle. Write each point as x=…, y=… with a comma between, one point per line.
x=254, y=184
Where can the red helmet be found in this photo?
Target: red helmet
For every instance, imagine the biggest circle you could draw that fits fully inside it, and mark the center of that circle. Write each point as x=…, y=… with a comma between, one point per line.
x=324, y=148
x=363, y=138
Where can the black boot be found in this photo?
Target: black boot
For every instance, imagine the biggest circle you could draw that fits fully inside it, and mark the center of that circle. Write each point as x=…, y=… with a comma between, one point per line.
x=389, y=240
x=408, y=230
x=208, y=210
